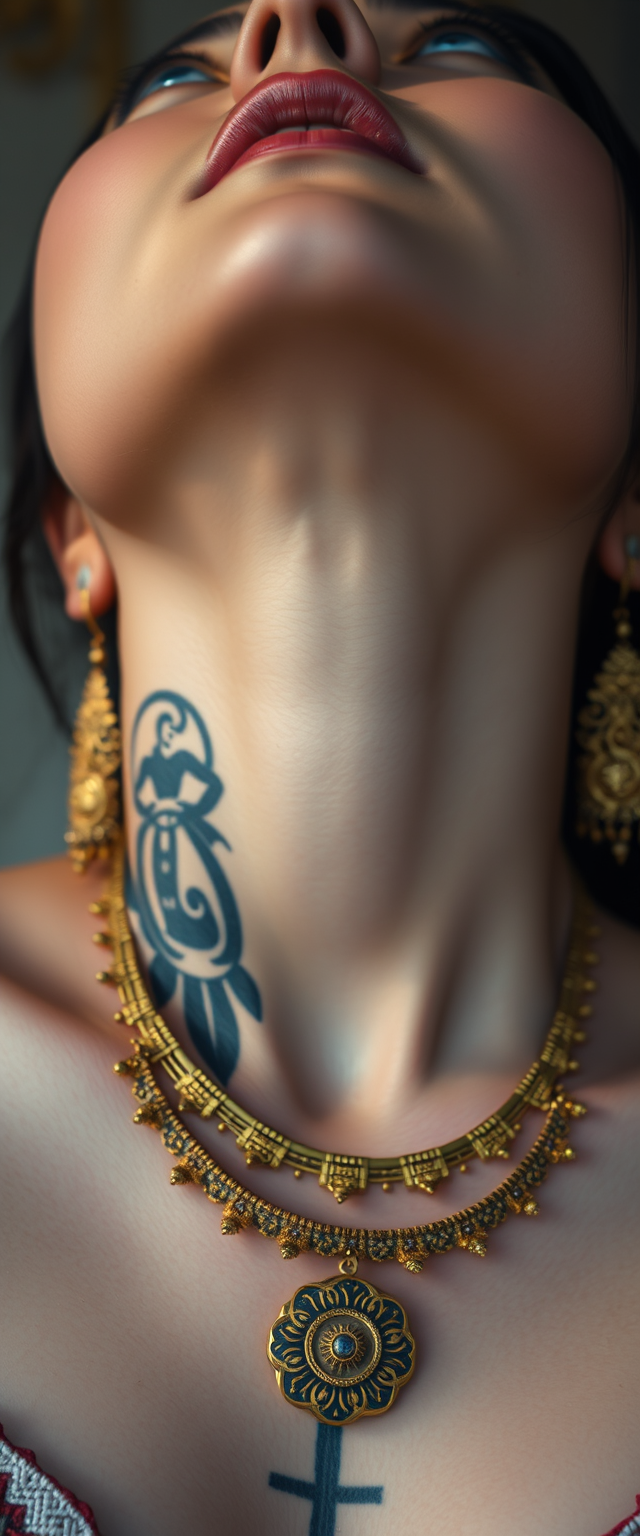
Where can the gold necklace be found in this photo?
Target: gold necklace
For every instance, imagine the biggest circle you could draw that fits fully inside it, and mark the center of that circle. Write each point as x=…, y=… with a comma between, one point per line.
x=342, y=1173
x=340, y=1348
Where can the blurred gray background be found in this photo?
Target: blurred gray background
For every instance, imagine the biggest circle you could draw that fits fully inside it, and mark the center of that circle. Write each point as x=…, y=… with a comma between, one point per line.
x=57, y=63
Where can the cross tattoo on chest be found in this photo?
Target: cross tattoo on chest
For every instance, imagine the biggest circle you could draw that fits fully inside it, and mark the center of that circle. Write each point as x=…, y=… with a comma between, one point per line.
x=326, y=1493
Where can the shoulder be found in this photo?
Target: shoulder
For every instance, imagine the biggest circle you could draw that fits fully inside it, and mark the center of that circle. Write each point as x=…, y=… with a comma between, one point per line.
x=57, y=1032
x=46, y=933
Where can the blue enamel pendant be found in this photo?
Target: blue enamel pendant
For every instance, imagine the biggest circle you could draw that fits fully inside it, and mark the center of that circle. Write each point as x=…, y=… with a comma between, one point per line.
x=341, y=1349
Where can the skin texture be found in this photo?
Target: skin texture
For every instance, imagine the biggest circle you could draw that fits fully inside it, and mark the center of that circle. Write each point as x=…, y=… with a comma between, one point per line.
x=341, y=437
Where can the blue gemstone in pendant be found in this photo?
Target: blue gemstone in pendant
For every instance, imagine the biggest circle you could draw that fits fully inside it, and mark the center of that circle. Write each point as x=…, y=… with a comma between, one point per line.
x=343, y=1346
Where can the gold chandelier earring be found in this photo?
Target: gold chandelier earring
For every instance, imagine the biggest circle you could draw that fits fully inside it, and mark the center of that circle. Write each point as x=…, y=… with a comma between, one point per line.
x=94, y=787
x=609, y=734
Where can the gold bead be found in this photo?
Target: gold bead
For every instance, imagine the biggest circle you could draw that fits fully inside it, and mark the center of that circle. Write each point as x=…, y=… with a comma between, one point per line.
x=585, y=1011
x=577, y=1111
x=502, y=1152
x=531, y=1208
x=463, y=1168
x=106, y=978
x=414, y=1266
x=221, y=1127
x=229, y=1226
x=248, y=1160
x=573, y=1066
x=589, y=985
x=104, y=939
x=517, y=1128
x=180, y=1175
x=118, y=1018
x=297, y=1173
x=386, y=1188
x=478, y=1246
x=591, y=958
x=569, y=1155
x=98, y=908
x=579, y=1037
x=126, y=1068
x=149, y=1114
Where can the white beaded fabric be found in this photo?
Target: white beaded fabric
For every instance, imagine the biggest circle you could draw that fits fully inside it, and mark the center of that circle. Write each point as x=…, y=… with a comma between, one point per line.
x=33, y=1503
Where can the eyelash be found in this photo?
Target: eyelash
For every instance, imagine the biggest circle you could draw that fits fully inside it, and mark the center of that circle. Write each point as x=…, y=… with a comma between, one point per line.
x=133, y=90
x=484, y=29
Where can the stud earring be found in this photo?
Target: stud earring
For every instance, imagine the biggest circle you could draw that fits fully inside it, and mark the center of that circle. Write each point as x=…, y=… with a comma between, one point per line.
x=609, y=734
x=94, y=789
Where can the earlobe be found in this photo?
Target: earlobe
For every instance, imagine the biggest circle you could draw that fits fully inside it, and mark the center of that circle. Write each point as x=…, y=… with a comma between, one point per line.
x=75, y=547
x=613, y=545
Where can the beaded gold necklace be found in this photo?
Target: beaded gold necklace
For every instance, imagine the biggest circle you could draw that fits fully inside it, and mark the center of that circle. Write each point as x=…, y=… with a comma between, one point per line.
x=342, y=1349
x=341, y=1173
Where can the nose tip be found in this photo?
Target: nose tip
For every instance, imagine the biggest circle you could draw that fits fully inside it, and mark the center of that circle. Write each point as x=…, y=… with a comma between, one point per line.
x=301, y=35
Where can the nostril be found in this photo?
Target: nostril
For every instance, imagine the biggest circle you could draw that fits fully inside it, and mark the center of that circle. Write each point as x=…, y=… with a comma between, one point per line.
x=331, y=29
x=269, y=37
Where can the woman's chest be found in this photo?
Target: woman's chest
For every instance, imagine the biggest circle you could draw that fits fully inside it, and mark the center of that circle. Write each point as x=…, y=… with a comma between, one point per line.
x=133, y=1351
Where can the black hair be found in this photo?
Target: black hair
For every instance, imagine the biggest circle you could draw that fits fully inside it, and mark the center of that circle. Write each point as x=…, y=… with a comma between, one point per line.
x=33, y=585
x=34, y=588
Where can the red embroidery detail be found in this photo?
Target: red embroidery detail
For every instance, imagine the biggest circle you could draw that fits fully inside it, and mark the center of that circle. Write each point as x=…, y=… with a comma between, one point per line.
x=16, y=1511
x=11, y=1515
x=618, y=1530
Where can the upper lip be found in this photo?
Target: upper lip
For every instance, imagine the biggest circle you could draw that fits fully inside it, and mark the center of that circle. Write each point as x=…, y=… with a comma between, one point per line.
x=296, y=101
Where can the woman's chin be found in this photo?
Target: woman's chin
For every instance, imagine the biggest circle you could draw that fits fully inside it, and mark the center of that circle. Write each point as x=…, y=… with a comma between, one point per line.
x=158, y=349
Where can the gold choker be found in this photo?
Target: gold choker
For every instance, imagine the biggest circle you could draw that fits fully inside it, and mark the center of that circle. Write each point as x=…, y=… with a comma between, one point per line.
x=342, y=1173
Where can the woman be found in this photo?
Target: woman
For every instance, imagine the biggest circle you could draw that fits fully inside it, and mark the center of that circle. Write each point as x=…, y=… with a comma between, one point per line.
x=335, y=344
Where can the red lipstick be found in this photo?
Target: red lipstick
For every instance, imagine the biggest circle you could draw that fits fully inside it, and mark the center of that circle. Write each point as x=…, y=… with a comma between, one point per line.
x=321, y=110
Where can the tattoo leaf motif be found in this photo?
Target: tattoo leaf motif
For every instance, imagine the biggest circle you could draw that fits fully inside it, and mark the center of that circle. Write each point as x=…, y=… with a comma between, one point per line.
x=187, y=908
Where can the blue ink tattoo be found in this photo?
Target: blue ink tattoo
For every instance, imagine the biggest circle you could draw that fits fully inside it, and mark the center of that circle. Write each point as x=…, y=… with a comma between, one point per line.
x=326, y=1493
x=188, y=912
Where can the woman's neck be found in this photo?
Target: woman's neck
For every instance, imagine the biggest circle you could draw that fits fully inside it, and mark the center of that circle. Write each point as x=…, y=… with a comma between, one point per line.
x=382, y=663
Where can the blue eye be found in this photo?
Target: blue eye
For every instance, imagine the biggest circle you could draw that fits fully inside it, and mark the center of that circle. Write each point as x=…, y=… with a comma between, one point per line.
x=458, y=42
x=174, y=74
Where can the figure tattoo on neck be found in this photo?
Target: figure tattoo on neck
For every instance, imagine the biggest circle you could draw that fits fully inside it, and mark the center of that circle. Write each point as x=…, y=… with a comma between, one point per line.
x=187, y=909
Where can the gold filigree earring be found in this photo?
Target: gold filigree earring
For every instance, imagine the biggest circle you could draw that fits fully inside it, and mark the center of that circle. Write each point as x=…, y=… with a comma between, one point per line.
x=94, y=789
x=609, y=734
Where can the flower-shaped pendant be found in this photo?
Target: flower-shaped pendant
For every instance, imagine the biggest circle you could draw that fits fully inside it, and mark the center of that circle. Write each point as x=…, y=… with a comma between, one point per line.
x=341, y=1349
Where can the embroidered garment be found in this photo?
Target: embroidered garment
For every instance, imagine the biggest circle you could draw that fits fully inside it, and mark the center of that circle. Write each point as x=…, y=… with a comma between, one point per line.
x=32, y=1504
x=629, y=1527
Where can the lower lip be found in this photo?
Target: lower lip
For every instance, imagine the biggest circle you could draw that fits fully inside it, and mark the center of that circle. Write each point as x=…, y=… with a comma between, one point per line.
x=309, y=139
